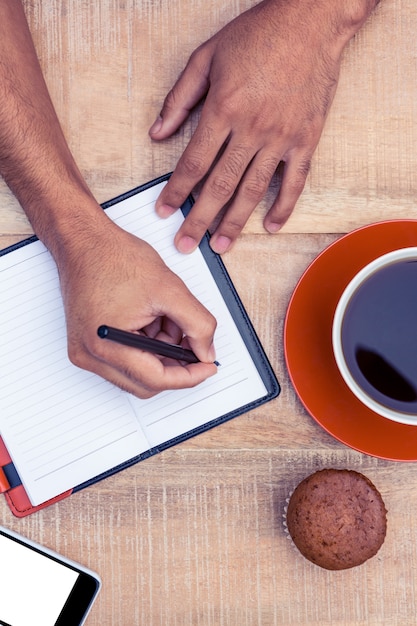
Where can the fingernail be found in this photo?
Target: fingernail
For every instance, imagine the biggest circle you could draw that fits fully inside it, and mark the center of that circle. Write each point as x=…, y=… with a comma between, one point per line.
x=186, y=244
x=221, y=244
x=273, y=227
x=165, y=210
x=156, y=126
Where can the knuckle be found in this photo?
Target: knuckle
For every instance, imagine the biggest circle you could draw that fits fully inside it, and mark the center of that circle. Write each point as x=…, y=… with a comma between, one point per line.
x=255, y=186
x=77, y=356
x=234, y=163
x=222, y=187
x=253, y=190
x=204, y=137
x=298, y=179
x=210, y=325
x=145, y=394
x=232, y=227
x=267, y=169
x=236, y=160
x=193, y=166
x=173, y=100
x=85, y=352
x=194, y=224
x=198, y=57
x=169, y=102
x=304, y=168
x=207, y=323
x=309, y=135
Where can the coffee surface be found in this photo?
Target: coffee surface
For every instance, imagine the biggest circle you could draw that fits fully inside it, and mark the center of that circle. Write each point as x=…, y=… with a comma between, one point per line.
x=379, y=336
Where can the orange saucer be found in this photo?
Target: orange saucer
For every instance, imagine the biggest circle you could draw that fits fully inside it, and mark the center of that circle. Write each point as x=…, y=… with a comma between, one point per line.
x=308, y=343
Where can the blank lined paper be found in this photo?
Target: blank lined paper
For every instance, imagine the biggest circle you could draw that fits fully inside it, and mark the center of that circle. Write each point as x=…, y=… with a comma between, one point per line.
x=64, y=426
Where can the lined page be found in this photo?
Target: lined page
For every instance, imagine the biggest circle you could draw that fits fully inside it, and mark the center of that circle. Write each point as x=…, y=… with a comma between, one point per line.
x=237, y=382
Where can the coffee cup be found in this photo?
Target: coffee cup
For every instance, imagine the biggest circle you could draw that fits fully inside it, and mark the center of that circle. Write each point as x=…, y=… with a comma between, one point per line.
x=374, y=335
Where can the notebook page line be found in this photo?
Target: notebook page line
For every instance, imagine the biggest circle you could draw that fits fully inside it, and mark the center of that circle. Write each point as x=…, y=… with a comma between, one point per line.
x=69, y=451
x=108, y=426
x=30, y=426
x=207, y=397
x=85, y=456
x=55, y=405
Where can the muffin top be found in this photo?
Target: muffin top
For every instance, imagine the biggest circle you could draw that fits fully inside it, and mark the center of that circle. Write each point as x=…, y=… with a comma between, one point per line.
x=337, y=518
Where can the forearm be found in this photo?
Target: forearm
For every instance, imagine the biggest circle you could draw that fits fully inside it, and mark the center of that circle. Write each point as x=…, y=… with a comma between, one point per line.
x=106, y=274
x=35, y=160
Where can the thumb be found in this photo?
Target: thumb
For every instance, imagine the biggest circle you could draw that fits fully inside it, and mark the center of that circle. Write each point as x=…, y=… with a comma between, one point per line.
x=192, y=85
x=197, y=324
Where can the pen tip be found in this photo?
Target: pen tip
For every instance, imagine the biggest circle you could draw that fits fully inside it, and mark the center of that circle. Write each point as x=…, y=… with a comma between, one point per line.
x=102, y=331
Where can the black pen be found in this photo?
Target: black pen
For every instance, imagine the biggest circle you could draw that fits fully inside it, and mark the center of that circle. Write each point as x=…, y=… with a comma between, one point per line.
x=148, y=344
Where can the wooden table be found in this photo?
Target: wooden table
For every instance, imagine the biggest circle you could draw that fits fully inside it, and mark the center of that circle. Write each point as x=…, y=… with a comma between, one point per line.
x=194, y=536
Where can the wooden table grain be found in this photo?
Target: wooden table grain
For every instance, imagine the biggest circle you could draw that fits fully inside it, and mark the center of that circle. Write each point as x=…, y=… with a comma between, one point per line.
x=194, y=536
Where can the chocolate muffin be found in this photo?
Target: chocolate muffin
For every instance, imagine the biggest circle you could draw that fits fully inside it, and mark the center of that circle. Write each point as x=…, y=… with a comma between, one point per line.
x=337, y=518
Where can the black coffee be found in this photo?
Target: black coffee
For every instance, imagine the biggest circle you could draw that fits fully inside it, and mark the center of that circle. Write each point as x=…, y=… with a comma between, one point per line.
x=379, y=336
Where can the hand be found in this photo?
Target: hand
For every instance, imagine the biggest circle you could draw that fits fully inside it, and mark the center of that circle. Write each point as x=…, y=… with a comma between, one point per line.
x=110, y=276
x=269, y=78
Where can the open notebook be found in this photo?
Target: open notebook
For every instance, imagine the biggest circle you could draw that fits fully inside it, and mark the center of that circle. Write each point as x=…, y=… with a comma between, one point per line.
x=64, y=428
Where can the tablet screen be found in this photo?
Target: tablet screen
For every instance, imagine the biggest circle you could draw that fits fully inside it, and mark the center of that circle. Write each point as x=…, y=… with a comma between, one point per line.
x=35, y=587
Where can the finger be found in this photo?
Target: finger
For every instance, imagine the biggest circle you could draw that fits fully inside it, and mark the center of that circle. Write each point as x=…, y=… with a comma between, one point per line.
x=251, y=190
x=141, y=373
x=296, y=170
x=179, y=313
x=218, y=189
x=144, y=380
x=198, y=326
x=170, y=331
x=164, y=329
x=196, y=160
x=189, y=89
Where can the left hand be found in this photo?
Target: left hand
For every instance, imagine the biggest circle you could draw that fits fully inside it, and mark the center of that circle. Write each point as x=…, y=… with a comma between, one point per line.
x=269, y=78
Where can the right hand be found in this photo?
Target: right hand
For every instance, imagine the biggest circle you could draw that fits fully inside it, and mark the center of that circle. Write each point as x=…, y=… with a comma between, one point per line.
x=109, y=276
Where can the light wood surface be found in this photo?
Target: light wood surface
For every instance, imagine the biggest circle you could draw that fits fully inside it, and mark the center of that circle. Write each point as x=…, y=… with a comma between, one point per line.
x=194, y=536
